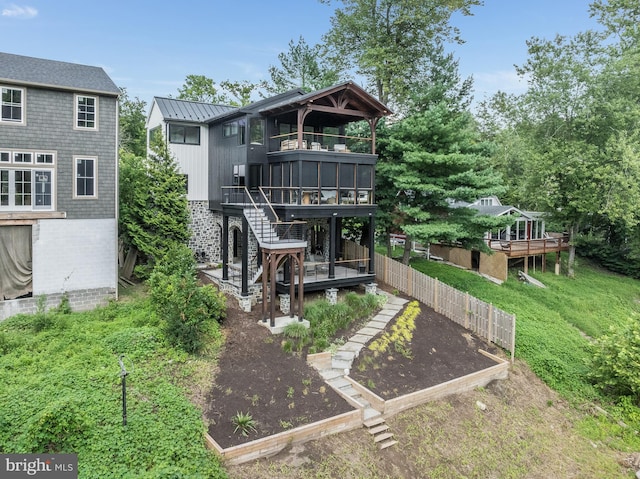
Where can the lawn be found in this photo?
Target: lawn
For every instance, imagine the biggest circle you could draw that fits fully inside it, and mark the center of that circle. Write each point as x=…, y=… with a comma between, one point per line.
x=60, y=391
x=555, y=327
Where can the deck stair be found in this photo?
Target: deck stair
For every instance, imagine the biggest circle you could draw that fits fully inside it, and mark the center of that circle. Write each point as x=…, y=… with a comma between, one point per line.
x=261, y=226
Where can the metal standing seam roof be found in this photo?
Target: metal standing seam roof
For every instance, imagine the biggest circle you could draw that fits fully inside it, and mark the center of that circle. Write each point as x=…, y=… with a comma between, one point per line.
x=496, y=210
x=22, y=70
x=184, y=110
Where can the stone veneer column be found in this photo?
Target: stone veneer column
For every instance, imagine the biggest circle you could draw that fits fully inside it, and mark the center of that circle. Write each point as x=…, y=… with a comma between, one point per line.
x=285, y=303
x=371, y=288
x=331, y=295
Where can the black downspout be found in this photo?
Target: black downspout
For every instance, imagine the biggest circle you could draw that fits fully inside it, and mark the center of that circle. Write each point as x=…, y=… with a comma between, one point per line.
x=372, y=245
x=332, y=247
x=245, y=257
x=225, y=248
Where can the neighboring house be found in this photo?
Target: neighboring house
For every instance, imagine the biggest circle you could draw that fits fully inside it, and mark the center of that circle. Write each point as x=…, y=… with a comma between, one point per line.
x=281, y=176
x=58, y=184
x=521, y=241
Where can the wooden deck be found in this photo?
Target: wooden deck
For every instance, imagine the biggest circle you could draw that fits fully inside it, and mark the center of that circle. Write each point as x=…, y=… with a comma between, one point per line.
x=524, y=248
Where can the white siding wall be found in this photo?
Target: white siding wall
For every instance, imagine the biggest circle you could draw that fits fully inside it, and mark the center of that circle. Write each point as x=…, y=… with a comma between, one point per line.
x=71, y=255
x=193, y=161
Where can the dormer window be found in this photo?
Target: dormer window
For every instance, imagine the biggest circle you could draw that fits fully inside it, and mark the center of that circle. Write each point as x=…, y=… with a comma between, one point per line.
x=86, y=112
x=12, y=105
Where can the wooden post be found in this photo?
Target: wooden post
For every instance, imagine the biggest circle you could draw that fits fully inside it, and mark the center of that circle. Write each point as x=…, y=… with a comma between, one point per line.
x=526, y=265
x=466, y=311
x=557, y=268
x=435, y=295
x=409, y=282
x=513, y=339
x=490, y=329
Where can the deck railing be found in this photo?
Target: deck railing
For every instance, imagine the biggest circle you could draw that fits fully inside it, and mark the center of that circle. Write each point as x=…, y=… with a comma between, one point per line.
x=531, y=246
x=323, y=142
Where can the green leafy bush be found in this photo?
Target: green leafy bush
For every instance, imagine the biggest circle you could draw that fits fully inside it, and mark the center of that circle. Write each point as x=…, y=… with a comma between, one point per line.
x=616, y=361
x=189, y=312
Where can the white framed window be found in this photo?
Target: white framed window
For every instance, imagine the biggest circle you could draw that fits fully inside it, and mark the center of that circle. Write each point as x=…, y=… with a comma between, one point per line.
x=86, y=112
x=22, y=157
x=12, y=103
x=25, y=190
x=45, y=158
x=27, y=180
x=85, y=177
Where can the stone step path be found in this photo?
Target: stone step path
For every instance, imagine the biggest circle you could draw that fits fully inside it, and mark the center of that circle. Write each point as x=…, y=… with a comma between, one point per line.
x=342, y=360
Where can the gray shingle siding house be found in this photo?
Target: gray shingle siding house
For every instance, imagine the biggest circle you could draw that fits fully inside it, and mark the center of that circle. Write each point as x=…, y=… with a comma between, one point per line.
x=58, y=183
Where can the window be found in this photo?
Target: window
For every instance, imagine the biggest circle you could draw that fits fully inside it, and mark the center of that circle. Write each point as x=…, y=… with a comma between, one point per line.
x=44, y=158
x=239, y=175
x=85, y=177
x=12, y=105
x=19, y=157
x=188, y=135
x=26, y=189
x=241, y=132
x=155, y=136
x=42, y=190
x=256, y=131
x=23, y=186
x=230, y=129
x=86, y=112
x=486, y=201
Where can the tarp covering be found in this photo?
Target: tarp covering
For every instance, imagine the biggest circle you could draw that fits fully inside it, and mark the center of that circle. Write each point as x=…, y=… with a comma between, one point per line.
x=15, y=261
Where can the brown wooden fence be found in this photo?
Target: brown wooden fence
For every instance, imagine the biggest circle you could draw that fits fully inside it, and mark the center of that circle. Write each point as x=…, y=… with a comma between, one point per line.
x=482, y=318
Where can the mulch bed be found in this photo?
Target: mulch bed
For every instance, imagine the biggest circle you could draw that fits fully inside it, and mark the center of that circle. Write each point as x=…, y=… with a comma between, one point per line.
x=440, y=351
x=281, y=391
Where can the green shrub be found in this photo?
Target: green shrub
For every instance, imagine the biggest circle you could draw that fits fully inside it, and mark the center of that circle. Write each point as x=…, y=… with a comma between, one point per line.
x=616, y=360
x=298, y=334
x=189, y=312
x=244, y=423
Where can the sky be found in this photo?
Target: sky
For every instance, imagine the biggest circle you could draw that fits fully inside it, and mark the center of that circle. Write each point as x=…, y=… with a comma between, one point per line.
x=149, y=47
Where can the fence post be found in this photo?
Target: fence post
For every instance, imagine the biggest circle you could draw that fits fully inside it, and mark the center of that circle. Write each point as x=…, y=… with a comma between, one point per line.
x=409, y=282
x=435, y=295
x=513, y=339
x=466, y=310
x=490, y=331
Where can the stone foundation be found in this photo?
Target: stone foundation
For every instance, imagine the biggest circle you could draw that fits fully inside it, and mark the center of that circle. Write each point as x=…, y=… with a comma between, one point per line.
x=206, y=232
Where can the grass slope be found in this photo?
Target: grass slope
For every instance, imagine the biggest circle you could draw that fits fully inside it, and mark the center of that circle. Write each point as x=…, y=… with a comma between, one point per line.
x=555, y=327
x=60, y=391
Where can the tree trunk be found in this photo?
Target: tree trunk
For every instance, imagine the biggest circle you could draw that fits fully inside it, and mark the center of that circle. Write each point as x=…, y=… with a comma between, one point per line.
x=406, y=255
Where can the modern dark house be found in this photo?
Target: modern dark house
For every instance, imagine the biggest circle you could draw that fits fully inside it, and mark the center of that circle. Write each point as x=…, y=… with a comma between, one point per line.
x=58, y=184
x=280, y=176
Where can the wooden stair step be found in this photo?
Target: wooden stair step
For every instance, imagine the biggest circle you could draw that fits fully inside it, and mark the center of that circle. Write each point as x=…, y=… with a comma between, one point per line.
x=374, y=421
x=386, y=444
x=383, y=436
x=377, y=429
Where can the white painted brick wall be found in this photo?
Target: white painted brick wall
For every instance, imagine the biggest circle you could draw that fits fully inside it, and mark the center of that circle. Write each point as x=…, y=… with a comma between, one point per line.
x=71, y=255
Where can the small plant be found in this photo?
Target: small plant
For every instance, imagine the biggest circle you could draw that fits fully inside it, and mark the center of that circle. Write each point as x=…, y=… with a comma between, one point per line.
x=244, y=423
x=286, y=424
x=306, y=382
x=254, y=400
x=290, y=392
x=371, y=384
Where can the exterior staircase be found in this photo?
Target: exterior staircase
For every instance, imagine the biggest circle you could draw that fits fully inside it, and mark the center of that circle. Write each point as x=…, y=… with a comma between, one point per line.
x=261, y=226
x=379, y=429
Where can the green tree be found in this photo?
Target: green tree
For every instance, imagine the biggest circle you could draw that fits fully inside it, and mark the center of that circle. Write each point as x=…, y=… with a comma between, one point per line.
x=432, y=159
x=203, y=89
x=387, y=41
x=132, y=134
x=154, y=212
x=303, y=66
x=189, y=312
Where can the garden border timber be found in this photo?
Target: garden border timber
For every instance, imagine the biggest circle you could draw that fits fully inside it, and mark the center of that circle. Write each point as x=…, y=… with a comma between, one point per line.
x=271, y=445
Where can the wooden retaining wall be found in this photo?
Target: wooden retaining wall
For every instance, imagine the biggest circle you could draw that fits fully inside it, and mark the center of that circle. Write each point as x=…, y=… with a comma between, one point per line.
x=268, y=446
x=471, y=381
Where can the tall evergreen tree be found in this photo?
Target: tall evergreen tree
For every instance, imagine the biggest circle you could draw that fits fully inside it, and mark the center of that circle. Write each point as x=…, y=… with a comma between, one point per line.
x=153, y=211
